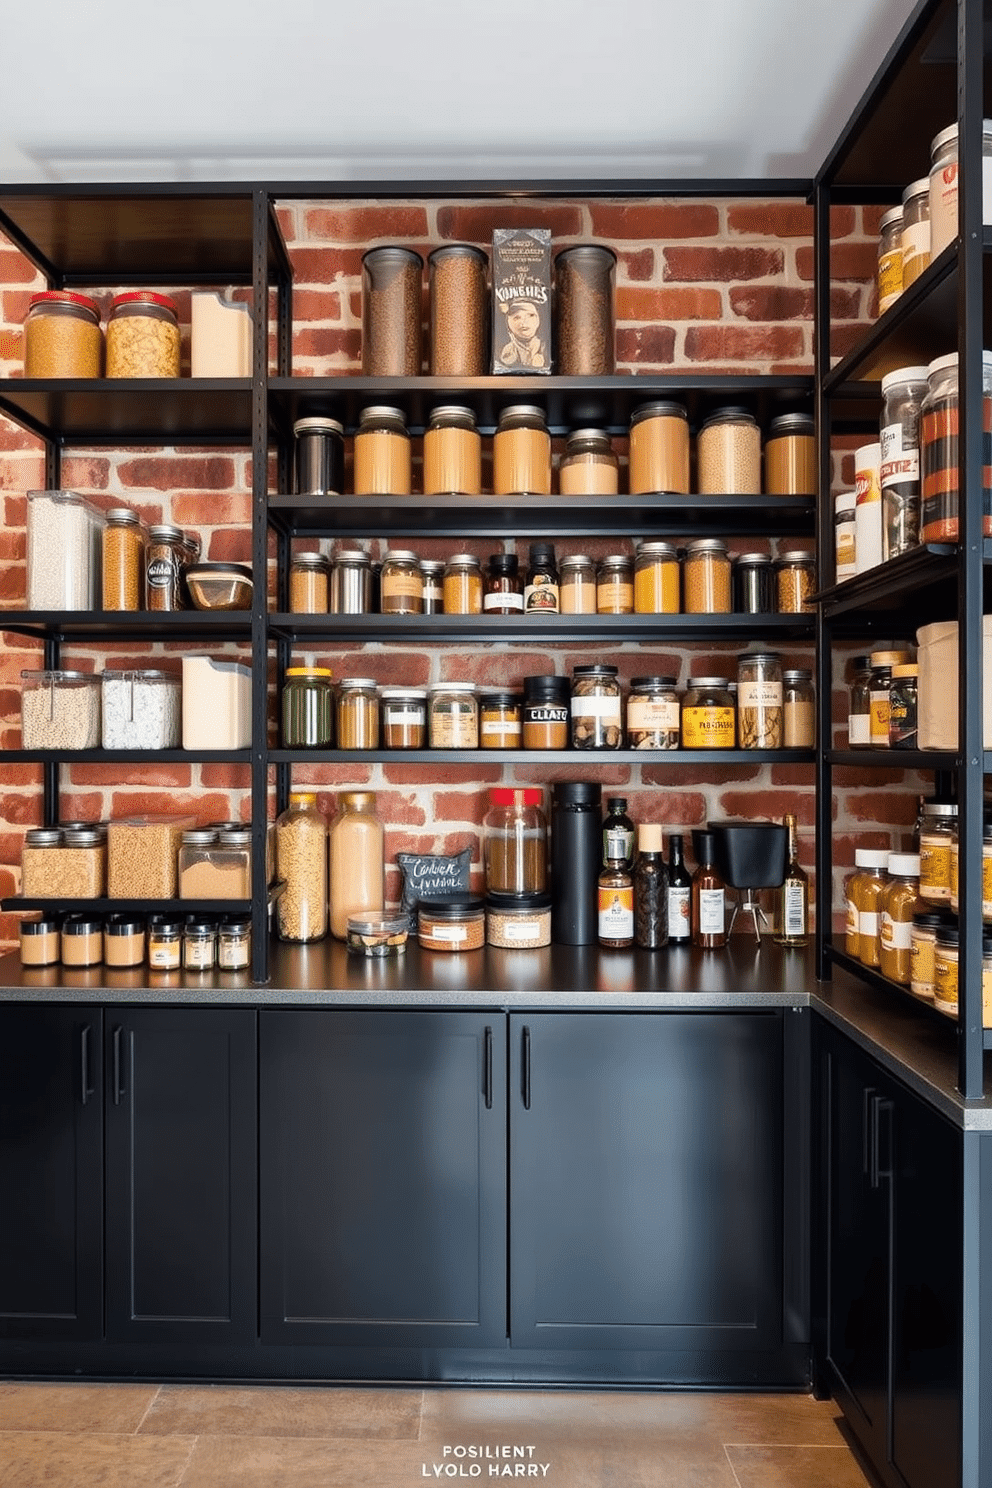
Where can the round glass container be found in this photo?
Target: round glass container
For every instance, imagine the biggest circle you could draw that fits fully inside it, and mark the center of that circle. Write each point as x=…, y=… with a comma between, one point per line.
x=795, y=582
x=859, y=703
x=903, y=392
x=457, y=923
x=903, y=710
x=503, y=590
x=123, y=941
x=889, y=259
x=404, y=717
x=462, y=585
x=81, y=941
x=709, y=714
x=945, y=969
x=515, y=842
x=141, y=709
x=351, y=583
x=869, y=887
x=376, y=936
x=615, y=585
x=922, y=950
x=518, y=921
x=546, y=712
x=798, y=709
x=62, y=336
x=142, y=335
x=432, y=571
x=845, y=539
x=356, y=843
x=39, y=941
x=706, y=578
x=452, y=452
x=728, y=454
x=454, y=716
x=936, y=840
x=319, y=456
x=301, y=865
x=659, y=448
x=234, y=945
x=165, y=943
x=391, y=312
x=790, y=456
x=656, y=579
x=589, y=467
x=939, y=510
x=307, y=708
x=896, y=918
x=459, y=305
x=753, y=584
x=401, y=584
x=584, y=280
x=653, y=714
x=597, y=717
x=199, y=945
x=357, y=713
x=759, y=700
x=879, y=684
x=123, y=560
x=577, y=585
x=915, y=230
x=500, y=720
x=165, y=561
x=381, y=453
x=309, y=584
x=521, y=452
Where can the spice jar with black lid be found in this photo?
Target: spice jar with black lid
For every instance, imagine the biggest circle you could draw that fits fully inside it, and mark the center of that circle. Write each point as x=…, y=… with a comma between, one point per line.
x=546, y=712
x=541, y=592
x=500, y=719
x=503, y=591
x=597, y=719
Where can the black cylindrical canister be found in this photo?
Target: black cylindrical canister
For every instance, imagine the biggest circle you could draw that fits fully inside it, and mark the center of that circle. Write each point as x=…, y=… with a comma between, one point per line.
x=576, y=853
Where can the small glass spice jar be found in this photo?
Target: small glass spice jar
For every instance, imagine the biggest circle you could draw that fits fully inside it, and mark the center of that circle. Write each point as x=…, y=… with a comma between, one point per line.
x=597, y=717
x=401, y=584
x=845, y=536
x=728, y=454
x=915, y=230
x=759, y=700
x=462, y=585
x=922, y=950
x=165, y=943
x=589, y=466
x=82, y=941
x=795, y=582
x=945, y=969
x=39, y=941
x=615, y=585
x=889, y=259
x=459, y=301
x=357, y=713
x=454, y=716
x=123, y=560
x=199, y=945
x=404, y=717
x=521, y=452
x=307, y=708
x=319, y=456
x=903, y=711
x=896, y=918
x=936, y=842
x=164, y=566
x=656, y=579
x=382, y=457
x=709, y=714
x=350, y=591
x=392, y=280
x=309, y=584
x=452, y=452
x=456, y=923
x=376, y=936
x=706, y=578
x=234, y=945
x=546, y=712
x=584, y=279
x=659, y=448
x=503, y=589
x=790, y=456
x=432, y=571
x=754, y=584
x=123, y=941
x=518, y=921
x=577, y=585
x=500, y=719
x=798, y=709
x=62, y=336
x=142, y=335
x=653, y=714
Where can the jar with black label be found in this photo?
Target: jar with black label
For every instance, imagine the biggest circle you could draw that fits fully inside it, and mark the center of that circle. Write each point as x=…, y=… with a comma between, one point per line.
x=546, y=712
x=319, y=456
x=615, y=585
x=597, y=720
x=541, y=592
x=754, y=584
x=503, y=590
x=709, y=714
x=653, y=714
x=164, y=567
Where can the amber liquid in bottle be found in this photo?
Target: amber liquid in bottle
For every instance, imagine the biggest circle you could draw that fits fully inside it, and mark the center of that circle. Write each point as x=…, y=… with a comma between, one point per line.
x=792, y=900
x=708, y=900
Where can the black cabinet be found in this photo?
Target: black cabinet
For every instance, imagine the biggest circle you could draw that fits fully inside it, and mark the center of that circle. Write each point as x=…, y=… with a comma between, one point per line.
x=383, y=1178
x=893, y=1285
x=51, y=1172
x=646, y=1183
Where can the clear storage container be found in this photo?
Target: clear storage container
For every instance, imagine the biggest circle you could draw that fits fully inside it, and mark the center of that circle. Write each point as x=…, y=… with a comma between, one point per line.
x=382, y=457
x=62, y=336
x=141, y=710
x=459, y=313
x=142, y=856
x=515, y=842
x=589, y=467
x=391, y=312
x=142, y=335
x=215, y=865
x=584, y=280
x=123, y=560
x=301, y=865
x=60, y=710
x=659, y=448
x=63, y=864
x=64, y=552
x=452, y=452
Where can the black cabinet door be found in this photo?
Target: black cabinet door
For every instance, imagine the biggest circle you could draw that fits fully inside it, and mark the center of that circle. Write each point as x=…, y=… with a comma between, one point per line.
x=181, y=1174
x=646, y=1181
x=51, y=1172
x=383, y=1178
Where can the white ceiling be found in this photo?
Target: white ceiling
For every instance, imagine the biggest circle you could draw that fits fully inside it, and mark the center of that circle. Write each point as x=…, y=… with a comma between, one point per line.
x=448, y=89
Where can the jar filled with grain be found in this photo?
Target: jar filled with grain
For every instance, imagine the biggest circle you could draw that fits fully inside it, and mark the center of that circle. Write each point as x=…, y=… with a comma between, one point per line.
x=615, y=585
x=401, y=584
x=309, y=584
x=521, y=452
x=319, y=456
x=759, y=700
x=753, y=584
x=457, y=923
x=60, y=710
x=795, y=583
x=653, y=714
x=459, y=312
x=709, y=714
x=597, y=716
x=589, y=466
x=234, y=945
x=518, y=921
x=584, y=280
x=889, y=259
x=432, y=572
x=199, y=944
x=659, y=448
x=728, y=454
x=301, y=865
x=307, y=708
x=382, y=453
x=164, y=567
x=142, y=335
x=462, y=585
x=452, y=452
x=577, y=585
x=500, y=719
x=454, y=716
x=706, y=578
x=515, y=842
x=350, y=591
x=546, y=712
x=656, y=579
x=123, y=560
x=391, y=312
x=357, y=713
x=62, y=336
x=915, y=230
x=404, y=717
x=790, y=456
x=798, y=709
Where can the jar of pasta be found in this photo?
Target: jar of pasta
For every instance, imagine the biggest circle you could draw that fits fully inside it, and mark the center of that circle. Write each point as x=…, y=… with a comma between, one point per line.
x=382, y=453
x=656, y=579
x=759, y=700
x=706, y=578
x=521, y=452
x=589, y=467
x=142, y=335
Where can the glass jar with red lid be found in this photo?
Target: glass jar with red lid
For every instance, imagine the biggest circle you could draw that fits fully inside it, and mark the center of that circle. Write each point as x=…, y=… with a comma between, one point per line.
x=62, y=336
x=515, y=842
x=143, y=335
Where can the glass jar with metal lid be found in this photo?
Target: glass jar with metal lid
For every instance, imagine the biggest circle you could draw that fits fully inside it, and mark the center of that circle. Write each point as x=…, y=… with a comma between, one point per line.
x=62, y=336
x=165, y=943
x=796, y=581
x=81, y=941
x=459, y=302
x=432, y=571
x=859, y=703
x=889, y=259
x=60, y=710
x=452, y=452
x=357, y=713
x=123, y=560
x=584, y=278
x=706, y=578
x=142, y=335
x=350, y=590
x=790, y=456
x=234, y=945
x=39, y=941
x=653, y=714
x=615, y=585
x=199, y=944
x=915, y=230
x=845, y=536
x=728, y=454
x=754, y=584
x=903, y=391
x=936, y=841
x=759, y=700
x=462, y=585
x=164, y=565
x=903, y=706
x=392, y=279
x=879, y=683
x=141, y=709
x=709, y=714
x=404, y=717
x=382, y=453
x=319, y=456
x=798, y=709
x=597, y=718
x=656, y=579
x=309, y=584
x=60, y=864
x=500, y=719
x=589, y=466
x=521, y=452
x=577, y=585
x=123, y=941
x=659, y=448
x=307, y=708
x=454, y=716
x=401, y=583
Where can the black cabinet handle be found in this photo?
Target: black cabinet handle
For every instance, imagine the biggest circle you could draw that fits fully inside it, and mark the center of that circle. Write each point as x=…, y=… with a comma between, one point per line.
x=525, y=1071
x=118, y=1066
x=868, y=1131
x=487, y=1071
x=883, y=1143
x=84, y=1050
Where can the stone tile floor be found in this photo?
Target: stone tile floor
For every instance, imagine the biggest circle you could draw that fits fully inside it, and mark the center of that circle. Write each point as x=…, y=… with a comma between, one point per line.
x=221, y=1436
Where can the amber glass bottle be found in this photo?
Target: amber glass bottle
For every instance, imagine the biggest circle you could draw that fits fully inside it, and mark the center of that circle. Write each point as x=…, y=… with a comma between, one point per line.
x=708, y=897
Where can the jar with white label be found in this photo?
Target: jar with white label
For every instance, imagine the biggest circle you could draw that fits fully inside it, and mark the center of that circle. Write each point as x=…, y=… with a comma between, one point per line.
x=234, y=945
x=870, y=884
x=868, y=507
x=457, y=923
x=903, y=392
x=759, y=700
x=915, y=230
x=936, y=838
x=896, y=917
x=404, y=717
x=890, y=258
x=518, y=921
x=879, y=695
x=597, y=720
x=165, y=943
x=859, y=703
x=401, y=584
x=943, y=185
x=454, y=716
x=199, y=945
x=653, y=714
x=923, y=946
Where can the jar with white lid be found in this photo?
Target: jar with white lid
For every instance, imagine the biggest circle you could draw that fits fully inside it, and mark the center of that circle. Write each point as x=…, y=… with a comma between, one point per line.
x=382, y=457
x=915, y=230
x=943, y=185
x=357, y=713
x=589, y=466
x=142, y=335
x=890, y=258
x=452, y=452
x=404, y=717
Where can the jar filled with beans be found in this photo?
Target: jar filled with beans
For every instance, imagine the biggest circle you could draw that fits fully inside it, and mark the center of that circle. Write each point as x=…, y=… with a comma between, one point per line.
x=597, y=719
x=796, y=582
x=706, y=578
x=143, y=336
x=728, y=454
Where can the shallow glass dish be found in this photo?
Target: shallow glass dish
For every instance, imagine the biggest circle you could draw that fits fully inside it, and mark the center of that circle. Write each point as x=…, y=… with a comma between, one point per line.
x=377, y=935
x=219, y=586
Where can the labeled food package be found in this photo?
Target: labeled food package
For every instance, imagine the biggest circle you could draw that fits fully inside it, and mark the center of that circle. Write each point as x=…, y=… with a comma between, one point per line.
x=938, y=684
x=216, y=704
x=522, y=300
x=143, y=856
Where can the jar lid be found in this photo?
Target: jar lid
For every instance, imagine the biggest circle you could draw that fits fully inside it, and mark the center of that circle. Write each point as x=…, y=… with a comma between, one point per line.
x=791, y=423
x=499, y=698
x=845, y=502
x=653, y=549
x=871, y=857
x=906, y=669
x=509, y=796
x=930, y=919
x=541, y=552
x=662, y=409
x=144, y=297
x=358, y=555
x=453, y=412
x=308, y=671
x=82, y=837
x=723, y=683
x=797, y=674
x=940, y=810
x=39, y=927
x=464, y=560
x=42, y=837
x=400, y=555
x=762, y=656
x=650, y=684
x=903, y=376
x=616, y=560
x=165, y=532
x=860, y=663
x=86, y=826
x=311, y=560
x=122, y=924
x=948, y=363
x=395, y=694
x=546, y=688
x=380, y=411
x=390, y=253
x=887, y=658
x=302, y=798
x=234, y=837
x=517, y=411
x=455, y=250
x=947, y=934
x=451, y=907
x=707, y=545
x=431, y=567
x=59, y=677
x=595, y=669
x=80, y=925
x=916, y=188
x=904, y=865
x=357, y=797
x=577, y=792
x=729, y=415
x=586, y=436
x=575, y=560
x=199, y=837
x=894, y=214
x=751, y=560
x=944, y=137
x=193, y=926
x=586, y=250
x=468, y=687
x=65, y=297
x=317, y=425
x=522, y=904
x=378, y=924
x=123, y=515
x=236, y=926
x=146, y=674
x=353, y=682
x=507, y=563
x=796, y=555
